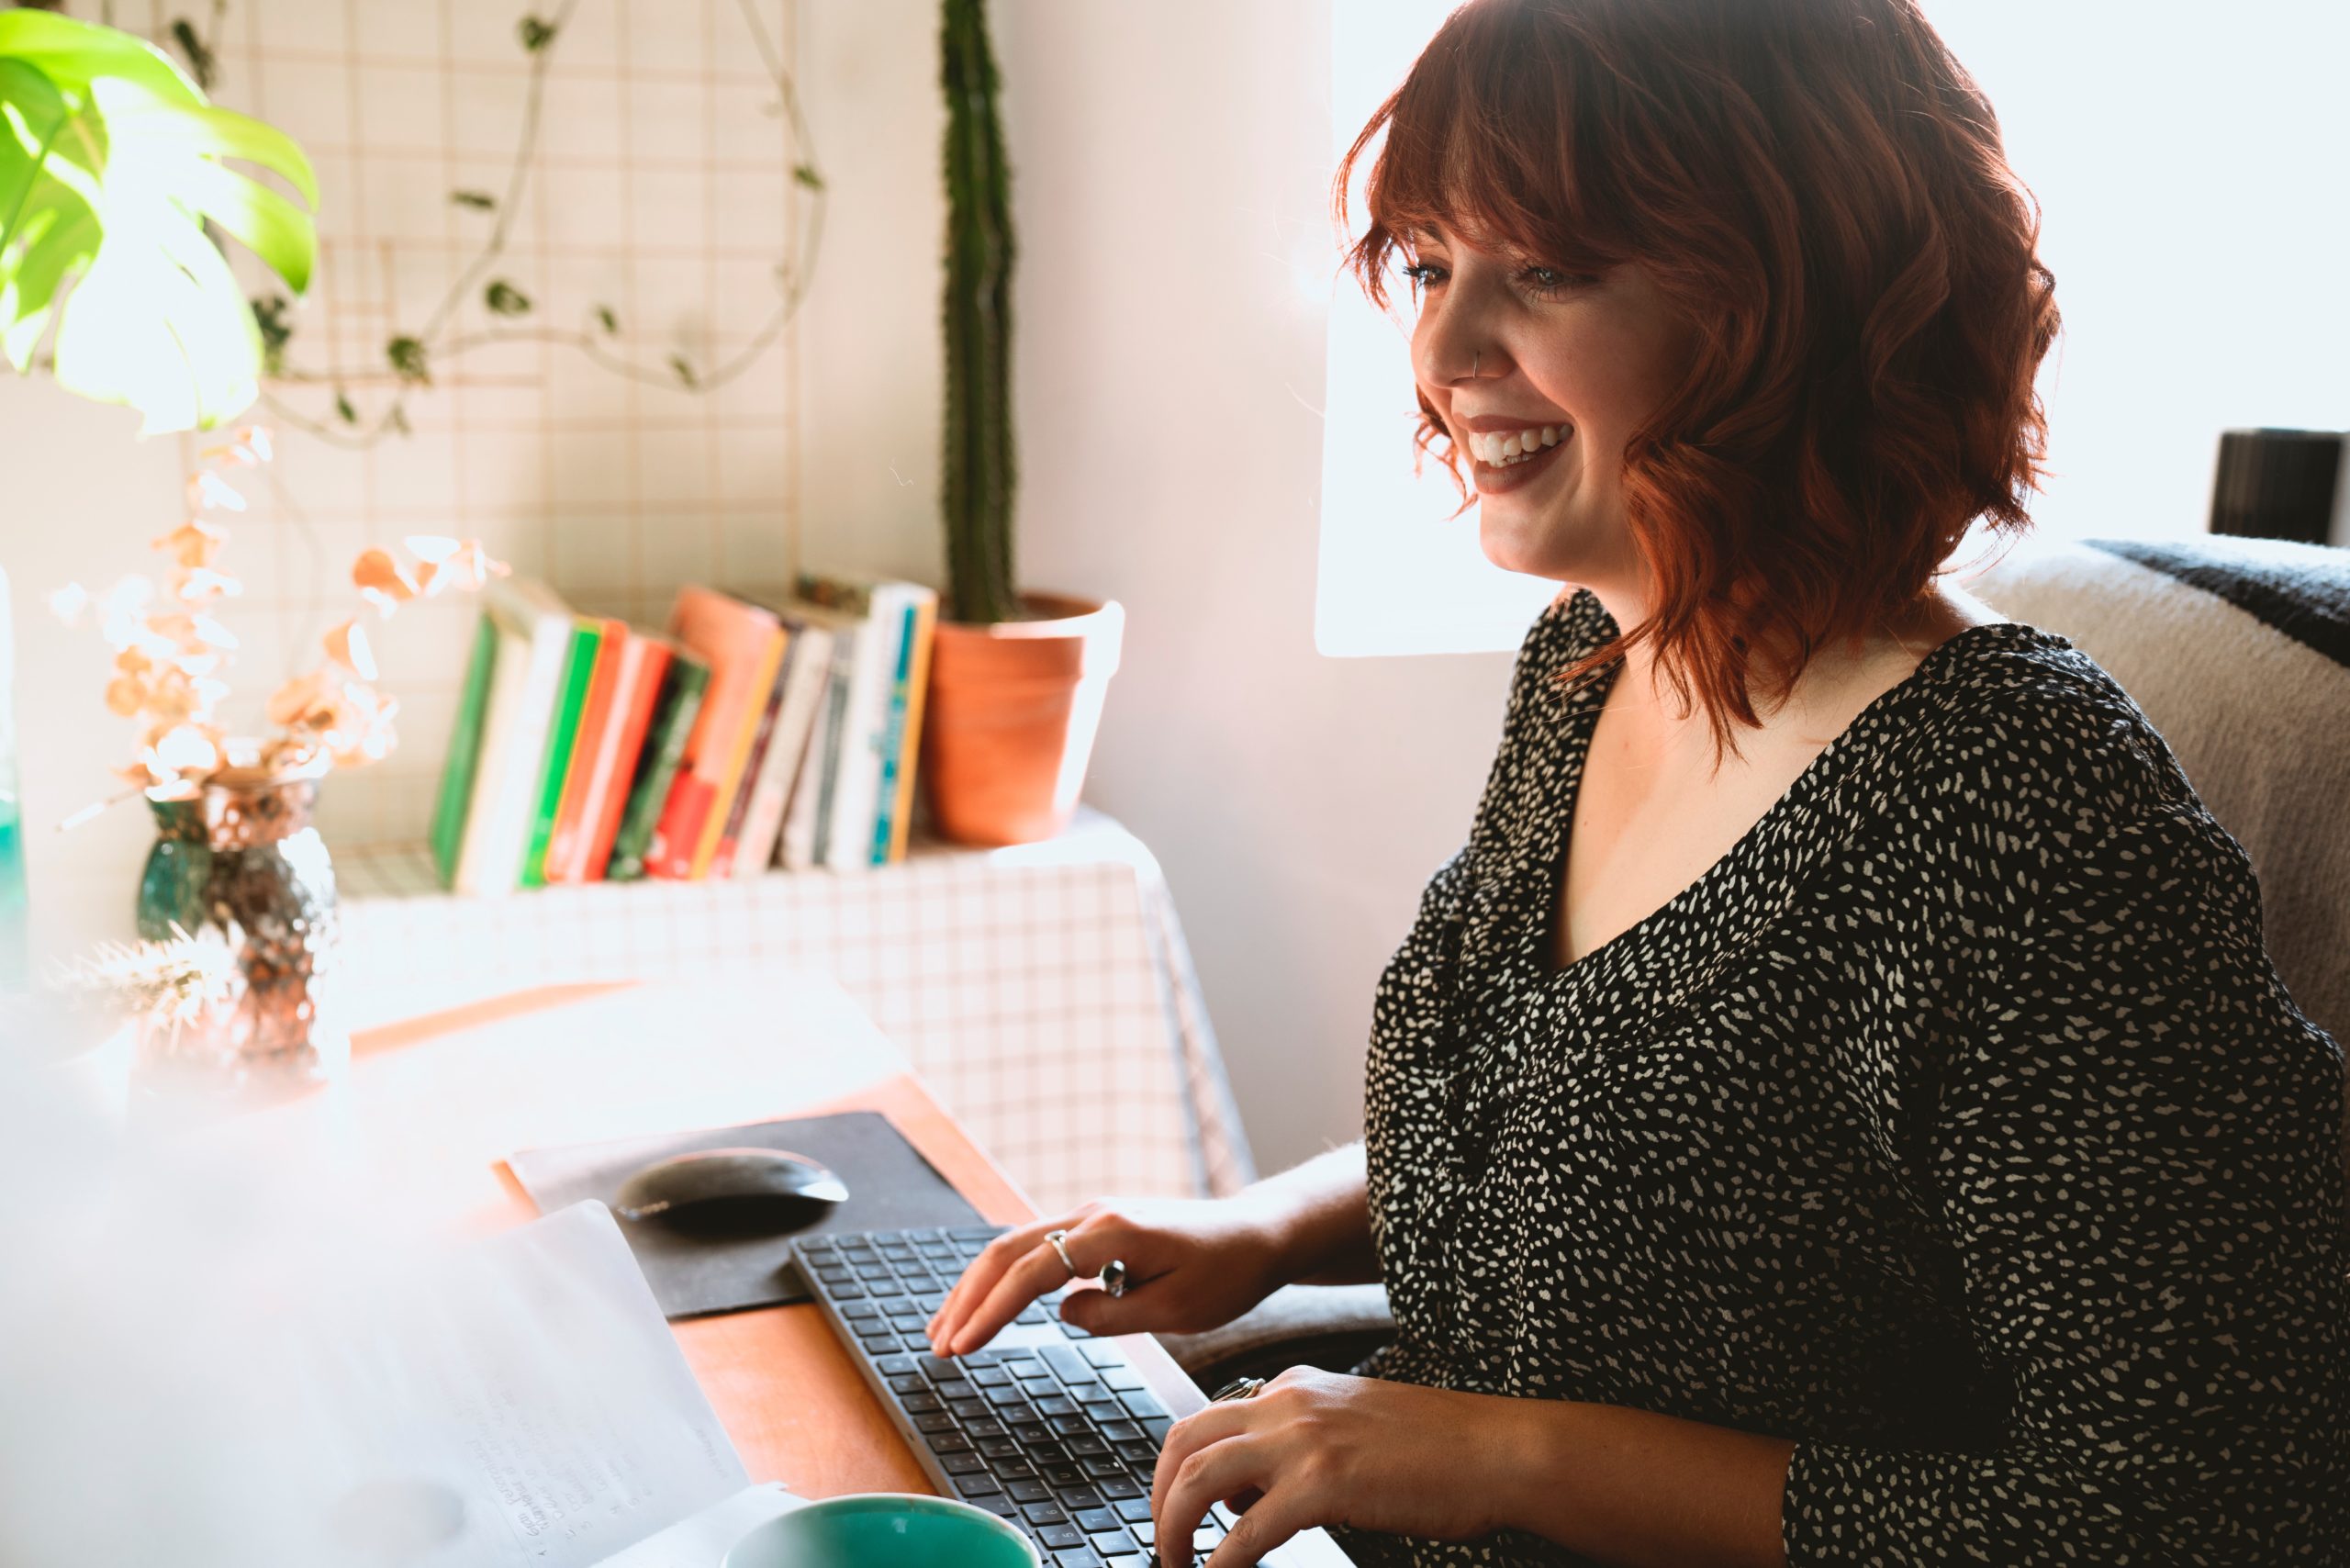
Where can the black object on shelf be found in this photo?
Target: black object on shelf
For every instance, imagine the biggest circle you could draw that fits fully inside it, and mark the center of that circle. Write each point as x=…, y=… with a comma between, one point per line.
x=2279, y=483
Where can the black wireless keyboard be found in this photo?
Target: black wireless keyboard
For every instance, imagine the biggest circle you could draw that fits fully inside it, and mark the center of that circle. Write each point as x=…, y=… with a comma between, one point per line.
x=1046, y=1426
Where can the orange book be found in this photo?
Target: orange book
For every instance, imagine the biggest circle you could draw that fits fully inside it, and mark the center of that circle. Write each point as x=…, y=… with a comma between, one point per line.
x=566, y=845
x=743, y=645
x=644, y=660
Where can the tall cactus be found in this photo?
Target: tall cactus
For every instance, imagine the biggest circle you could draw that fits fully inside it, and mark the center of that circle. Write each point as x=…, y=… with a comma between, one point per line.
x=975, y=492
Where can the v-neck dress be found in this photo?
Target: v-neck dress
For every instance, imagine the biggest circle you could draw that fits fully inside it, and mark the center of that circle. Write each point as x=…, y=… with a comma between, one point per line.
x=1954, y=1125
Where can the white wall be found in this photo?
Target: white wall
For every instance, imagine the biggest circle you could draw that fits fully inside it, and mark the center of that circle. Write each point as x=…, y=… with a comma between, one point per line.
x=1171, y=185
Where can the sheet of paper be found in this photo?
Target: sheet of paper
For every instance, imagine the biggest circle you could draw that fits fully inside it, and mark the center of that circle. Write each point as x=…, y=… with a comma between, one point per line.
x=519, y=1403
x=701, y=1541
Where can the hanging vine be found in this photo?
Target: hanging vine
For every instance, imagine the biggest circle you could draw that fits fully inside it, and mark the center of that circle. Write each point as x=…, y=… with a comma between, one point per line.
x=410, y=357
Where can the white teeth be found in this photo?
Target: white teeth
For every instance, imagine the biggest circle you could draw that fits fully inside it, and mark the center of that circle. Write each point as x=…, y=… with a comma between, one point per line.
x=1500, y=451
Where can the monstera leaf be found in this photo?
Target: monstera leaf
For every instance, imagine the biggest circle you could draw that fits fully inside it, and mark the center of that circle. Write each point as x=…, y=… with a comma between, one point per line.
x=111, y=163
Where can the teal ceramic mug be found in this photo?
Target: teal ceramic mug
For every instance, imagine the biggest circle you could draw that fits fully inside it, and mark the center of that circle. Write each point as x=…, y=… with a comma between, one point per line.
x=884, y=1529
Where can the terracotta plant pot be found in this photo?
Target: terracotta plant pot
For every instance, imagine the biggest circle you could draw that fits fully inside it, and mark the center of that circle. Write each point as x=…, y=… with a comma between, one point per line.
x=1009, y=723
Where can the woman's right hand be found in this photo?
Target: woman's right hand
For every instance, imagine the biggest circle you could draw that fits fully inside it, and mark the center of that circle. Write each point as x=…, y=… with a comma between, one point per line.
x=1192, y=1264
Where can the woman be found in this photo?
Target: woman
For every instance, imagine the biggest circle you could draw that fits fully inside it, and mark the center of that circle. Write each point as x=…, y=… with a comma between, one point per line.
x=1836, y=1108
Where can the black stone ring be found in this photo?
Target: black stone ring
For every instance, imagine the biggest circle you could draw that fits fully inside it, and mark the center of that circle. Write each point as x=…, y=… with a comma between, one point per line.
x=1113, y=1277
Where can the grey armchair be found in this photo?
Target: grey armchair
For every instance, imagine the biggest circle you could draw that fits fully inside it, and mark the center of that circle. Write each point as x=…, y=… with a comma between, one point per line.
x=2238, y=650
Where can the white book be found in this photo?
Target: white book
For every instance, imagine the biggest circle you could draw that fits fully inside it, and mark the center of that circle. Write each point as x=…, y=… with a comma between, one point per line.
x=534, y=639
x=857, y=800
x=809, y=667
x=802, y=844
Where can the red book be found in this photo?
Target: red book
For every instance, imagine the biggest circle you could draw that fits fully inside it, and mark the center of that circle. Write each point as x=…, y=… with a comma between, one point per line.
x=566, y=845
x=644, y=661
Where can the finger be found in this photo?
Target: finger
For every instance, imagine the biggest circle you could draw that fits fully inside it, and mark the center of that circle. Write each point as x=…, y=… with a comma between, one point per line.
x=1272, y=1520
x=1035, y=1274
x=1211, y=1424
x=981, y=1276
x=1221, y=1469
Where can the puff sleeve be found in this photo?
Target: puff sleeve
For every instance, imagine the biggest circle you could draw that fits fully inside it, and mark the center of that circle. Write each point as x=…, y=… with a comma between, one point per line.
x=2135, y=1145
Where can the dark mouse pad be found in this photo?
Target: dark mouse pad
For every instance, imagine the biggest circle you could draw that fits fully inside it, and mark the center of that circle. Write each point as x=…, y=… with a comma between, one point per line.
x=890, y=1185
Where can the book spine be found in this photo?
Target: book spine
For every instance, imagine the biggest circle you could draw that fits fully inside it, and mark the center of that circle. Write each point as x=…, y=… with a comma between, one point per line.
x=894, y=735
x=835, y=728
x=454, y=800
x=658, y=768
x=722, y=862
x=641, y=699
x=728, y=779
x=917, y=703
x=809, y=654
x=849, y=844
x=563, y=737
x=507, y=828
x=567, y=849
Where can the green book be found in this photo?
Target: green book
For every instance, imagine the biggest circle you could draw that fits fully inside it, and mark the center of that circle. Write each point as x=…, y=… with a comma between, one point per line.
x=656, y=765
x=464, y=760
x=562, y=733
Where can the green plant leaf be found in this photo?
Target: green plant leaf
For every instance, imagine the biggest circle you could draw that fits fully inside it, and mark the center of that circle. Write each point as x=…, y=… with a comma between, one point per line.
x=611, y=323
x=684, y=370
x=272, y=315
x=200, y=56
x=503, y=300
x=480, y=201
x=806, y=174
x=108, y=237
x=409, y=360
x=73, y=54
x=537, y=33
x=342, y=408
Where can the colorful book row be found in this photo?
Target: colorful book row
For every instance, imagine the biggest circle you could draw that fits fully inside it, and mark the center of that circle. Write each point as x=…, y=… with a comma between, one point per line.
x=747, y=735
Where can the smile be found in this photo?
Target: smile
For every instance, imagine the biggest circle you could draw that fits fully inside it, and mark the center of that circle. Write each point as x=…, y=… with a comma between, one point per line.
x=1515, y=470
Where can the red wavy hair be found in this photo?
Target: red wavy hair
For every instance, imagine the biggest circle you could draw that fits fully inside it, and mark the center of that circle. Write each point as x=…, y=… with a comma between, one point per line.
x=1823, y=187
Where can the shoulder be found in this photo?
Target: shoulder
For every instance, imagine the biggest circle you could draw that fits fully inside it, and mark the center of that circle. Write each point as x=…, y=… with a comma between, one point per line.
x=1572, y=625
x=2020, y=736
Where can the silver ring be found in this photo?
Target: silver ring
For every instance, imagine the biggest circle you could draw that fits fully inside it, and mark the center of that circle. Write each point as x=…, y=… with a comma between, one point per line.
x=1055, y=1238
x=1239, y=1388
x=1113, y=1277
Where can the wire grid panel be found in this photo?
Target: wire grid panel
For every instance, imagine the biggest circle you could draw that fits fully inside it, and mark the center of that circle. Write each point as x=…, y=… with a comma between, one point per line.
x=1046, y=998
x=622, y=425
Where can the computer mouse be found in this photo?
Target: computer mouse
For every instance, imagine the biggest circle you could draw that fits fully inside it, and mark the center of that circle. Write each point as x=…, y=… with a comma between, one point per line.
x=732, y=1192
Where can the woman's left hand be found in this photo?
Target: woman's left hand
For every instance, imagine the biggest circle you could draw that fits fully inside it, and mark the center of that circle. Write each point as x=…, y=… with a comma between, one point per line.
x=1319, y=1447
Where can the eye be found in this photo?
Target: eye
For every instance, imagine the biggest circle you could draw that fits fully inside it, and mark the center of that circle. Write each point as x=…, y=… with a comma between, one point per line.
x=1424, y=275
x=1550, y=280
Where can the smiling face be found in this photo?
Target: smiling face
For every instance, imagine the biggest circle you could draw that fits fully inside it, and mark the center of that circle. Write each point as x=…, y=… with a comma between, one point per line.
x=1540, y=376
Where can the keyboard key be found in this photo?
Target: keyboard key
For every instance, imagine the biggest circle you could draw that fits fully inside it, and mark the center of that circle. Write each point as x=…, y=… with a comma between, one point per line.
x=1156, y=1427
x=1067, y=1364
x=1124, y=1378
x=934, y=1421
x=1101, y=1353
x=1114, y=1430
x=1058, y=1534
x=1133, y=1510
x=1123, y=1489
x=961, y=1463
x=1028, y=1489
x=1077, y=1557
x=1044, y=1513
x=857, y=1309
x=1050, y=1405
x=976, y=1484
x=946, y=1442
x=1144, y=1404
x=1112, y=1543
x=917, y=1404
x=1094, y=1519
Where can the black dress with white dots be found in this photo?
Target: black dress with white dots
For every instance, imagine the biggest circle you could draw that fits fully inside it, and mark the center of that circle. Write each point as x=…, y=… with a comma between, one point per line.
x=1954, y=1125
